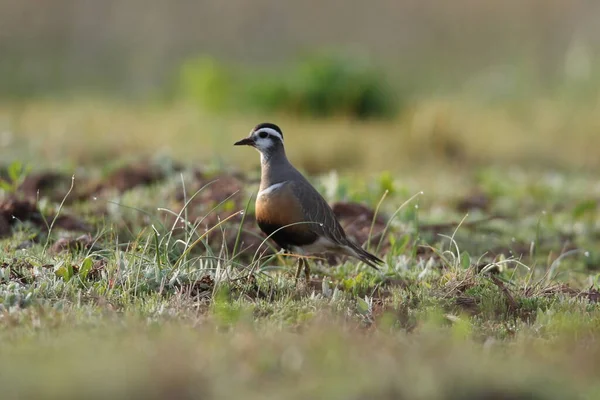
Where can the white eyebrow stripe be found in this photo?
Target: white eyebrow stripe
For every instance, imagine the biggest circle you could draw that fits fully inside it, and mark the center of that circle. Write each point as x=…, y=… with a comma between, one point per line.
x=271, y=188
x=272, y=132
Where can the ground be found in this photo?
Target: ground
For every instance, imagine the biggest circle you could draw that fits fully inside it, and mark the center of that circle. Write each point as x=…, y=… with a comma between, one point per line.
x=147, y=276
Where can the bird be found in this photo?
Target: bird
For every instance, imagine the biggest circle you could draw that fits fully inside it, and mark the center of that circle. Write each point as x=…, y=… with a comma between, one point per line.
x=289, y=210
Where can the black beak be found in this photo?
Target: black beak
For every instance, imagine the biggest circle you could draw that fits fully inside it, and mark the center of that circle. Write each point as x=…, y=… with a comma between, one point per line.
x=245, y=142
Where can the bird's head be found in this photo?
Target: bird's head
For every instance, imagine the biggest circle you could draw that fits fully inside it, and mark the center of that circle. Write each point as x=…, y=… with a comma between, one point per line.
x=267, y=138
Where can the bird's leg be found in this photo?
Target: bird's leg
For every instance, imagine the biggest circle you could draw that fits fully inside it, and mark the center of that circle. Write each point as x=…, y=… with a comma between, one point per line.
x=299, y=270
x=306, y=271
x=303, y=264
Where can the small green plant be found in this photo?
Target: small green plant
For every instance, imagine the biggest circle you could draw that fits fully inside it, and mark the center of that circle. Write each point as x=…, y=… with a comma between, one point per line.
x=16, y=174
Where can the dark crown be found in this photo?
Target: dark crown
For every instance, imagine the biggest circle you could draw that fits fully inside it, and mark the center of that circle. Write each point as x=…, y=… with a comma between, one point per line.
x=268, y=125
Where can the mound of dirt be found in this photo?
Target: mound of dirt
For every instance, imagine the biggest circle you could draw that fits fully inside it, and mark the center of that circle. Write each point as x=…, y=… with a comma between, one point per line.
x=130, y=176
x=357, y=220
x=13, y=209
x=52, y=185
x=65, y=244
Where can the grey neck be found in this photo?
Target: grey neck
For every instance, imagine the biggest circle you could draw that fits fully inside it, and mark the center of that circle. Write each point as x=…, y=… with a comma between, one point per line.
x=275, y=167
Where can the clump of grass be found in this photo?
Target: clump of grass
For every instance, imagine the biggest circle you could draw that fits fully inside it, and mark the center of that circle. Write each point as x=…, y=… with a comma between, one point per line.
x=329, y=85
x=321, y=85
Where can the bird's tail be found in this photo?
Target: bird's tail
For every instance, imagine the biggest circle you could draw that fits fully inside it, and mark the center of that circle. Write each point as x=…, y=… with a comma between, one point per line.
x=364, y=256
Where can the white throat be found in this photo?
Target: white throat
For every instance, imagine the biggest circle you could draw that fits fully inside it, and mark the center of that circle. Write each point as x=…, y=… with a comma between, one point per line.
x=271, y=189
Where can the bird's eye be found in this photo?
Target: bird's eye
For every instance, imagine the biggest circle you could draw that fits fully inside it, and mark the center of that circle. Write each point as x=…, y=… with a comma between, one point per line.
x=263, y=135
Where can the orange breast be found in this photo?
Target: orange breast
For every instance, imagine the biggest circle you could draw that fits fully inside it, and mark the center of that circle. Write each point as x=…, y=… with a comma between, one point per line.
x=280, y=207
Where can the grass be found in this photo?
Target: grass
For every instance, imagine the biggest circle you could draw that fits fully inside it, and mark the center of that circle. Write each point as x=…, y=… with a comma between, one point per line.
x=490, y=288
x=456, y=131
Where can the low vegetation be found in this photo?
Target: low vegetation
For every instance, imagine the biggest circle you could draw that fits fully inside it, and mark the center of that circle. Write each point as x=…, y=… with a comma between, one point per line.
x=152, y=278
x=318, y=86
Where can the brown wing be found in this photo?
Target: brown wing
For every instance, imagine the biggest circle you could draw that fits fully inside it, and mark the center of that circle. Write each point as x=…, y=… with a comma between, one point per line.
x=325, y=223
x=316, y=210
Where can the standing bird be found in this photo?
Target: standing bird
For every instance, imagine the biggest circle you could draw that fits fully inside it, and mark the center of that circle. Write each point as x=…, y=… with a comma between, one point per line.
x=290, y=210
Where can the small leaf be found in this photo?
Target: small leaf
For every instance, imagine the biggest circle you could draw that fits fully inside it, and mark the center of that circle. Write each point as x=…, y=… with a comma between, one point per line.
x=86, y=267
x=14, y=170
x=70, y=271
x=62, y=272
x=465, y=260
x=7, y=187
x=362, y=306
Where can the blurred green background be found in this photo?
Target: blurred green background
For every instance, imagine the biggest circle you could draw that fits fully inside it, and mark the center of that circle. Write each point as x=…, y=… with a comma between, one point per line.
x=136, y=47
x=361, y=86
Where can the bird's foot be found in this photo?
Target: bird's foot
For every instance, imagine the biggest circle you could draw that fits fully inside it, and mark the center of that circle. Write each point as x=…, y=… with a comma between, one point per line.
x=303, y=265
